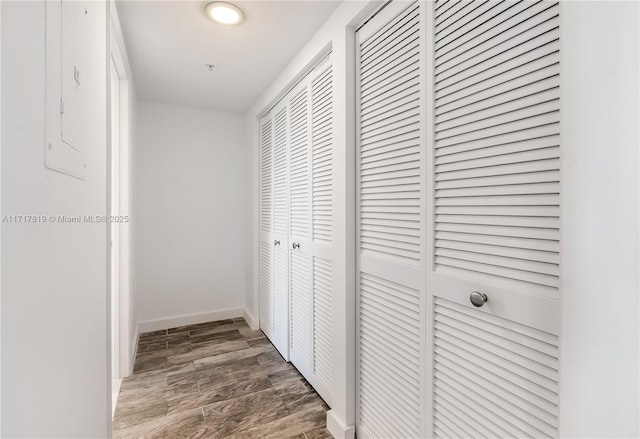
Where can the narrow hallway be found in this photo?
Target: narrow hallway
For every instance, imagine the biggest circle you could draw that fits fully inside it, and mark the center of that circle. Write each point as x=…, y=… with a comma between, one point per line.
x=214, y=380
x=315, y=219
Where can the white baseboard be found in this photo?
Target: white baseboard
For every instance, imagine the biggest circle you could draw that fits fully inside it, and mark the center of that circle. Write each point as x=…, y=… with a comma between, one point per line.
x=338, y=429
x=189, y=319
x=251, y=321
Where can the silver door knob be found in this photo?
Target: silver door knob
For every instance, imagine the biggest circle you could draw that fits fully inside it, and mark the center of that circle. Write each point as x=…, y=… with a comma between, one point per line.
x=478, y=299
x=276, y=242
x=295, y=245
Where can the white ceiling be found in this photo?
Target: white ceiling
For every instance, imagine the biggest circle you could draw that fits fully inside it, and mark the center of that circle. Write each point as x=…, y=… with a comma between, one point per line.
x=169, y=44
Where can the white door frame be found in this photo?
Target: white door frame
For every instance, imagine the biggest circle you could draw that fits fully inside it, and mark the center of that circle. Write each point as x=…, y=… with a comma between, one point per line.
x=114, y=201
x=124, y=331
x=0, y=205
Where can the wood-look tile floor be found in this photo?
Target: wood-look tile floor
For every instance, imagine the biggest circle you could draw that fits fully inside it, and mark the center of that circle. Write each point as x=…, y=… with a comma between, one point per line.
x=216, y=380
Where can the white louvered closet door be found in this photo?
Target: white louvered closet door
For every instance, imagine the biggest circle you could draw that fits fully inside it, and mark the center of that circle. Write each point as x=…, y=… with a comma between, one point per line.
x=300, y=230
x=494, y=140
x=391, y=225
x=322, y=188
x=266, y=225
x=280, y=305
x=311, y=195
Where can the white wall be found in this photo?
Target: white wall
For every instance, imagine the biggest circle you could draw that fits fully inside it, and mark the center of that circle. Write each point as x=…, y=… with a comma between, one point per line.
x=189, y=190
x=251, y=303
x=599, y=339
x=55, y=374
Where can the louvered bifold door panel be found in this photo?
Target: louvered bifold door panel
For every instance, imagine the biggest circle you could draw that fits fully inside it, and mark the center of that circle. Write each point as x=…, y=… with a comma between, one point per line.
x=322, y=324
x=391, y=201
x=280, y=314
x=493, y=369
x=266, y=224
x=322, y=138
x=390, y=154
x=266, y=288
x=322, y=189
x=495, y=143
x=300, y=230
x=497, y=153
x=389, y=348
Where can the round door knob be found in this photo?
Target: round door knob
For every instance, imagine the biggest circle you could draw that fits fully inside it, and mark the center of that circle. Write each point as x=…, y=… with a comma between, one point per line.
x=276, y=242
x=478, y=299
x=296, y=245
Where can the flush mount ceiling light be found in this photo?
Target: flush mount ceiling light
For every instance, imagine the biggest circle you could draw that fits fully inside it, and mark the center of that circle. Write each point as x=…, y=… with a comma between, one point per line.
x=224, y=13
